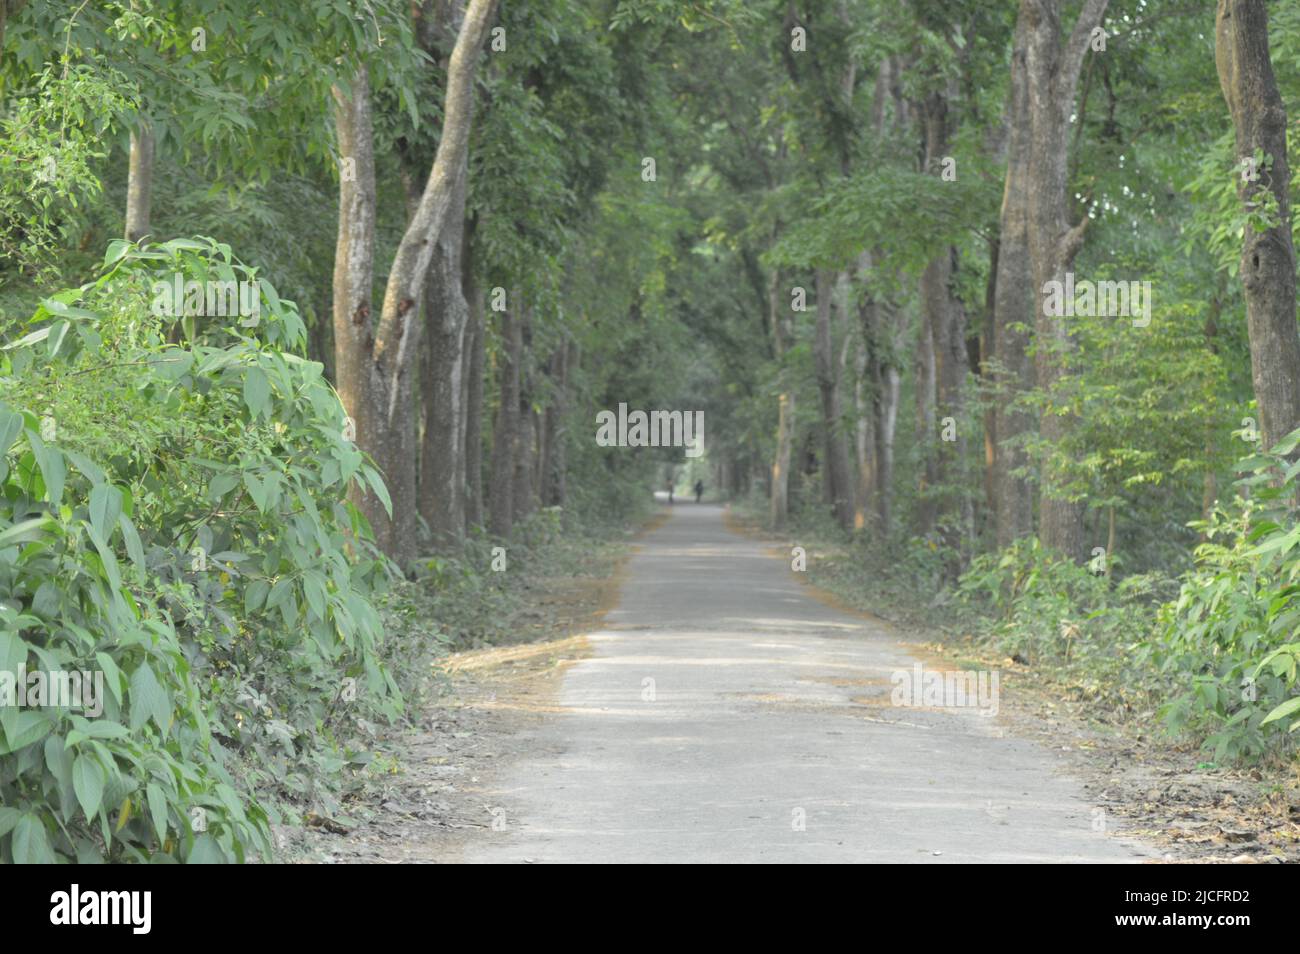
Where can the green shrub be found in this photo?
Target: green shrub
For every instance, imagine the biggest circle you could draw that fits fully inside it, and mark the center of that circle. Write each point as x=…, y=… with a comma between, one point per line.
x=183, y=527
x=1230, y=635
x=1091, y=630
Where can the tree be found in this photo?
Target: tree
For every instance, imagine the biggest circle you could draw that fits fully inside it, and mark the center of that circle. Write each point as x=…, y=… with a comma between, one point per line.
x=375, y=361
x=1267, y=256
x=1012, y=371
x=1052, y=65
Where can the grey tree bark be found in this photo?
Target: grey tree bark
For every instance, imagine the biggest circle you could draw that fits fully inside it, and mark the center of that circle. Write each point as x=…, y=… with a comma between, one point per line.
x=139, y=182
x=1267, y=257
x=555, y=436
x=839, y=486
x=473, y=454
x=780, y=493
x=1011, y=370
x=375, y=362
x=501, y=472
x=944, y=317
x=442, y=495
x=525, y=443
x=1053, y=64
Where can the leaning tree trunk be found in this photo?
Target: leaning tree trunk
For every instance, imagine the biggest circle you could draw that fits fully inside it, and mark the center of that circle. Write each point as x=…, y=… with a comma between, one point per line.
x=442, y=498
x=1053, y=78
x=1268, y=256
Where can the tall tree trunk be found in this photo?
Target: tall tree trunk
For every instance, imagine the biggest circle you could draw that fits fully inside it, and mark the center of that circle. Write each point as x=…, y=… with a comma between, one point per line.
x=880, y=320
x=838, y=484
x=985, y=368
x=353, y=276
x=1053, y=69
x=926, y=387
x=551, y=483
x=476, y=349
x=1210, y=482
x=139, y=182
x=882, y=335
x=945, y=317
x=466, y=346
x=864, y=438
x=376, y=366
x=442, y=495
x=780, y=480
x=1011, y=369
x=501, y=479
x=948, y=328
x=1267, y=257
x=886, y=409
x=525, y=460
x=525, y=445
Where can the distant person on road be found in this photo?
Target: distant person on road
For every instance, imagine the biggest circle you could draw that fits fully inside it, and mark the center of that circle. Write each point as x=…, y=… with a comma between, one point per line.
x=699, y=490
x=669, y=485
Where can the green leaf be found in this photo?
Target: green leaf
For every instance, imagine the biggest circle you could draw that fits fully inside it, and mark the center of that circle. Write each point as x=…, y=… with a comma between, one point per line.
x=23, y=727
x=257, y=390
x=11, y=425
x=206, y=851
x=313, y=584
x=58, y=331
x=257, y=489
x=88, y=783
x=105, y=507
x=13, y=651
x=148, y=698
x=116, y=249
x=31, y=846
x=112, y=675
x=1282, y=711
x=8, y=818
x=133, y=548
x=50, y=461
x=24, y=532
x=157, y=809
x=377, y=483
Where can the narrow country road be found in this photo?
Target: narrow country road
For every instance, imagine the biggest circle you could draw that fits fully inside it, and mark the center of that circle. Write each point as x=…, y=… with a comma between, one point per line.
x=767, y=735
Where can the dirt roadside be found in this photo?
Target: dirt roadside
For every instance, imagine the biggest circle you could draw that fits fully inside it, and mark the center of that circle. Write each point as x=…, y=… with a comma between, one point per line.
x=434, y=801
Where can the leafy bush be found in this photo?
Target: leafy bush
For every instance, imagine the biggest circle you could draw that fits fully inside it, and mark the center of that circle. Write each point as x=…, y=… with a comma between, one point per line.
x=1230, y=635
x=182, y=526
x=1091, y=630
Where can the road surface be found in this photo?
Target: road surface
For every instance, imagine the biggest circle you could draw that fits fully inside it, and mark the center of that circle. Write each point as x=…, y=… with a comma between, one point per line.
x=727, y=715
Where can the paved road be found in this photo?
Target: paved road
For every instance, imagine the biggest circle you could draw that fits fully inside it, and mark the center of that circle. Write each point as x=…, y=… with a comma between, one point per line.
x=767, y=735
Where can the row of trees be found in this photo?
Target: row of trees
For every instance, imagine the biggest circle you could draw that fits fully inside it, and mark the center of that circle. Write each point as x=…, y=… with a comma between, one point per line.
x=886, y=192
x=494, y=230
x=920, y=177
